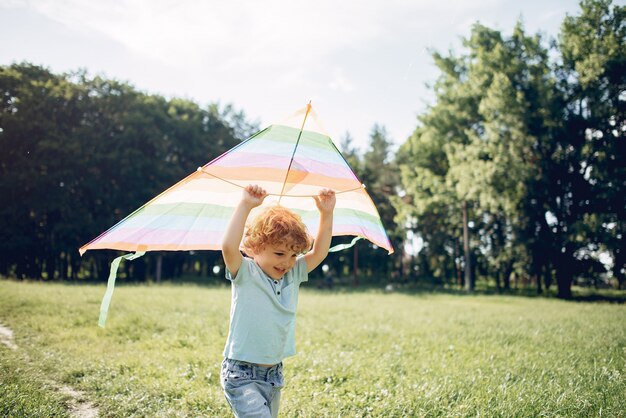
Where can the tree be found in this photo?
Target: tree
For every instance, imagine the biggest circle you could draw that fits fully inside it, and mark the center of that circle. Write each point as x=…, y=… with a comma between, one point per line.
x=590, y=208
x=472, y=158
x=351, y=154
x=532, y=147
x=380, y=176
x=80, y=153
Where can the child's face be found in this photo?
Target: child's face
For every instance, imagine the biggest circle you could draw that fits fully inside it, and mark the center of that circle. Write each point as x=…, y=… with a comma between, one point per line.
x=275, y=260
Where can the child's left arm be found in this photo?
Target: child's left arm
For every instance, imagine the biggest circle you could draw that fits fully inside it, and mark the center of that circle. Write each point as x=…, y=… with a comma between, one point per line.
x=325, y=203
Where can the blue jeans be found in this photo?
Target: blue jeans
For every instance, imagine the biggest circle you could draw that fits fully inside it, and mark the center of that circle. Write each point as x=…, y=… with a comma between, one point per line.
x=252, y=390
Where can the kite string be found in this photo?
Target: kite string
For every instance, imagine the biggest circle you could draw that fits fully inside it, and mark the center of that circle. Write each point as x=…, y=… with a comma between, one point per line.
x=203, y=170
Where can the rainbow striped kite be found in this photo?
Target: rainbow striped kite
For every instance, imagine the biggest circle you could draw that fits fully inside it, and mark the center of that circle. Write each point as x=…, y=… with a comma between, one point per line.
x=292, y=161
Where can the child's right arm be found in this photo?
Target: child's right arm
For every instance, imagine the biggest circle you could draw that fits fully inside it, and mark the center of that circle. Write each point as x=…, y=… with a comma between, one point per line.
x=252, y=197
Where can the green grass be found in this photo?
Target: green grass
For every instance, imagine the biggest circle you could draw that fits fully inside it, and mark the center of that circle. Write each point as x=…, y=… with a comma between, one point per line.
x=360, y=353
x=24, y=392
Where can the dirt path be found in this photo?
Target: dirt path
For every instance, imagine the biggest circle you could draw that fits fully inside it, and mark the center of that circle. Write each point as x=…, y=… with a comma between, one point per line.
x=6, y=337
x=79, y=406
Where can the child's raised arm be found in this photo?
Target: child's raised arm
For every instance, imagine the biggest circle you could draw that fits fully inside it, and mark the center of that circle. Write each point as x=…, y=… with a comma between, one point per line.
x=325, y=203
x=252, y=197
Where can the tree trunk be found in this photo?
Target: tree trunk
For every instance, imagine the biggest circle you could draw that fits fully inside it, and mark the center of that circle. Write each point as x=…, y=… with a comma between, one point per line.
x=547, y=275
x=473, y=270
x=93, y=270
x=619, y=267
x=33, y=271
x=104, y=266
x=537, y=269
x=75, y=264
x=139, y=270
x=507, y=275
x=564, y=277
x=457, y=264
x=51, y=266
x=64, y=267
x=564, y=285
x=159, y=267
x=355, y=268
x=468, y=263
x=498, y=285
x=539, y=287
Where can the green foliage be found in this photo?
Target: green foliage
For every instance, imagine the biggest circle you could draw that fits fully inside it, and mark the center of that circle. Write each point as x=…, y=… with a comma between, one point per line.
x=381, y=178
x=360, y=353
x=351, y=154
x=592, y=149
x=531, y=146
x=80, y=153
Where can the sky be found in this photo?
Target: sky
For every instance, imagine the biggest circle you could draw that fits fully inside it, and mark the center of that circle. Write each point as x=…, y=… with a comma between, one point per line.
x=360, y=62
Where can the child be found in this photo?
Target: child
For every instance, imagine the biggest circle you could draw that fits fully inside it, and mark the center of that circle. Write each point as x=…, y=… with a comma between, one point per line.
x=265, y=297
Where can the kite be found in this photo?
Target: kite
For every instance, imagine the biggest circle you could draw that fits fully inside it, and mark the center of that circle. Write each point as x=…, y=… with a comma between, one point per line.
x=292, y=161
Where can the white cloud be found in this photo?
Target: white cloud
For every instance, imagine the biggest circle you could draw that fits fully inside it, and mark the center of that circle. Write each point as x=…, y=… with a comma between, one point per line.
x=362, y=62
x=340, y=81
x=232, y=33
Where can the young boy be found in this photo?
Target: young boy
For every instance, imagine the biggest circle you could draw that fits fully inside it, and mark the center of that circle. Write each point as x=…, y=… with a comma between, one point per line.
x=265, y=296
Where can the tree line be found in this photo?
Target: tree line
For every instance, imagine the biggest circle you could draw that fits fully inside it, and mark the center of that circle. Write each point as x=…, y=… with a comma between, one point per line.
x=518, y=168
x=79, y=153
x=515, y=172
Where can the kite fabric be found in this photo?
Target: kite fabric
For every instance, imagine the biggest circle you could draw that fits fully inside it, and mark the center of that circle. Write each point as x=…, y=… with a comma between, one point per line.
x=292, y=161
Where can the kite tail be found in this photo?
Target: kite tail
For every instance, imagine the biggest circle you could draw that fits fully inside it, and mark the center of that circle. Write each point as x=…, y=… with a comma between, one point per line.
x=340, y=247
x=106, y=300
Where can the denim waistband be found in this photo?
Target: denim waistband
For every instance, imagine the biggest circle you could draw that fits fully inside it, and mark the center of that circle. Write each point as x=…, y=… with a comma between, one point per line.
x=257, y=370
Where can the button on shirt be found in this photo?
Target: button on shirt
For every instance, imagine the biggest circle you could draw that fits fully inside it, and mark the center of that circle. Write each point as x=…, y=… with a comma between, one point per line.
x=263, y=313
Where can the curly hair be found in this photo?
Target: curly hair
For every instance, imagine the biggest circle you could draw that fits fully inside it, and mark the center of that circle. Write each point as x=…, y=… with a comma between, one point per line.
x=277, y=225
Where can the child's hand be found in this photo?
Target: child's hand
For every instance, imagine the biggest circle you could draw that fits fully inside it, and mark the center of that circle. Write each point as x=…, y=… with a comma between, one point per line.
x=326, y=200
x=253, y=195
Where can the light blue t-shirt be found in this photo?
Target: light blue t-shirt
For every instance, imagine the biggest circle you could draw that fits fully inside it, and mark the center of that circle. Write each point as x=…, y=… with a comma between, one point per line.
x=263, y=313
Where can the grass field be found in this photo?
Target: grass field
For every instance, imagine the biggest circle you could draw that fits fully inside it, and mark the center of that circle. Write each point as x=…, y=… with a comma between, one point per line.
x=360, y=353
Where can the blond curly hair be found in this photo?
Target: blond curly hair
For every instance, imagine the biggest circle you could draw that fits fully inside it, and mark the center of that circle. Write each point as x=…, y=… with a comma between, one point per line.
x=277, y=225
